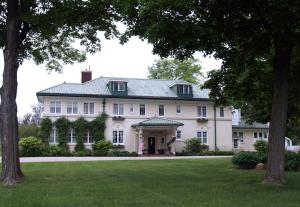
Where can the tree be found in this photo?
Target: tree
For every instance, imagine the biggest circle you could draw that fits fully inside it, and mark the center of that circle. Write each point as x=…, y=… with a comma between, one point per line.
x=172, y=69
x=43, y=31
x=239, y=33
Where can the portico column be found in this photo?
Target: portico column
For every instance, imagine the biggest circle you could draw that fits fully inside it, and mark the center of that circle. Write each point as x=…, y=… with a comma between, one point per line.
x=140, y=141
x=173, y=144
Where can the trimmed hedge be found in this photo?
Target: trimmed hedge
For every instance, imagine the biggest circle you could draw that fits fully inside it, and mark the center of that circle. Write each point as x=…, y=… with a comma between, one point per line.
x=245, y=160
x=102, y=148
x=31, y=147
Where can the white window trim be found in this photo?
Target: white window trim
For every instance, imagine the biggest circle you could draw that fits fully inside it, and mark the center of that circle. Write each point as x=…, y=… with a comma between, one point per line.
x=54, y=137
x=88, y=138
x=201, y=110
x=89, y=108
x=238, y=144
x=131, y=106
x=72, y=136
x=180, y=134
x=72, y=107
x=220, y=112
x=118, y=113
x=180, y=109
x=201, y=138
x=55, y=106
x=140, y=109
x=118, y=138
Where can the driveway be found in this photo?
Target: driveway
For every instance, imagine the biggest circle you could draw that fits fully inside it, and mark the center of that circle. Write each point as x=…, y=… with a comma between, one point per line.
x=74, y=159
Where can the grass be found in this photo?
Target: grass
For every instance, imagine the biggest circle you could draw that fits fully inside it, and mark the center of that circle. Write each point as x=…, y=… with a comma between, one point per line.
x=197, y=182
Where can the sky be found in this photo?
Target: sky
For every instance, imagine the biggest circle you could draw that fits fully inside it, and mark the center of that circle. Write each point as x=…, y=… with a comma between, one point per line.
x=114, y=60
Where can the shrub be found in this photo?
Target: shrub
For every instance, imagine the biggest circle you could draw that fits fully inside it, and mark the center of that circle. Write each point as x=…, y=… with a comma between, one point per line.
x=245, y=160
x=57, y=151
x=134, y=154
x=193, y=145
x=217, y=152
x=31, y=147
x=118, y=153
x=292, y=161
x=102, y=147
x=82, y=153
x=45, y=130
x=261, y=146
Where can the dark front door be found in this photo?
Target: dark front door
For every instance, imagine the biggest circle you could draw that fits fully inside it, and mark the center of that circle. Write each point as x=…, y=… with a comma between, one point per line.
x=151, y=145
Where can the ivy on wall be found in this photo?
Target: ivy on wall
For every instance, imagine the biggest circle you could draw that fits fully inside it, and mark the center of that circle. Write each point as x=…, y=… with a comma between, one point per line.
x=80, y=126
x=45, y=130
x=98, y=126
x=62, y=127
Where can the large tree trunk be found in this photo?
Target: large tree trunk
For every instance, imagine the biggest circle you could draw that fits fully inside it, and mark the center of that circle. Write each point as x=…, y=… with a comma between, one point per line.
x=275, y=162
x=11, y=172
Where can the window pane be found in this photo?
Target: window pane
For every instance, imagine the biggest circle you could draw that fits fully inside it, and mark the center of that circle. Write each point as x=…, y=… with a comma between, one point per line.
x=199, y=134
x=161, y=110
x=221, y=111
x=121, y=109
x=142, y=109
x=241, y=134
x=69, y=107
x=73, y=136
x=120, y=136
x=92, y=108
x=204, y=111
x=178, y=109
x=52, y=107
x=85, y=108
x=131, y=108
x=86, y=137
x=69, y=136
x=255, y=134
x=115, y=109
x=178, y=134
x=58, y=107
x=75, y=107
x=204, y=134
x=122, y=86
x=199, y=111
x=115, y=136
x=260, y=135
x=115, y=86
x=52, y=136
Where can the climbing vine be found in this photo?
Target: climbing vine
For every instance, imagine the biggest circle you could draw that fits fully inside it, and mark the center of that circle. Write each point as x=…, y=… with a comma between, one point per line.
x=45, y=130
x=62, y=127
x=97, y=127
x=80, y=126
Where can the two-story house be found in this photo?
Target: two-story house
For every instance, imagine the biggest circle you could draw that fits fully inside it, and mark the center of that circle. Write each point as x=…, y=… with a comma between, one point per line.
x=156, y=116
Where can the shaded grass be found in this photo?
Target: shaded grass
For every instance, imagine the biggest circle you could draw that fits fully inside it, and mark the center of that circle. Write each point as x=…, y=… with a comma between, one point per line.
x=197, y=182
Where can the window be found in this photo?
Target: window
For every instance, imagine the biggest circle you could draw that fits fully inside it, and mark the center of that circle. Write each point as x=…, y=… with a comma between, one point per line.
x=201, y=110
x=88, y=138
x=72, y=107
x=55, y=107
x=118, y=109
x=89, y=108
x=203, y=137
x=142, y=109
x=265, y=135
x=161, y=110
x=178, y=109
x=235, y=143
x=119, y=86
x=71, y=136
x=184, y=89
x=53, y=139
x=255, y=134
x=235, y=134
x=118, y=137
x=131, y=108
x=162, y=140
x=178, y=134
x=221, y=111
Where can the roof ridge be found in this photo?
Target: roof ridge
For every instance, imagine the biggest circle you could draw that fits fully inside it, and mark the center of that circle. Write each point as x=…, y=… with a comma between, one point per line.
x=110, y=77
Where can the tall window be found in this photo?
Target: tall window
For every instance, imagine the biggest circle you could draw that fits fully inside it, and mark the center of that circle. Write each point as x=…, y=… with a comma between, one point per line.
x=118, y=109
x=183, y=89
x=202, y=135
x=178, y=109
x=71, y=136
x=118, y=137
x=161, y=110
x=72, y=107
x=202, y=111
x=178, y=134
x=142, y=109
x=88, y=138
x=55, y=107
x=221, y=111
x=89, y=108
x=53, y=139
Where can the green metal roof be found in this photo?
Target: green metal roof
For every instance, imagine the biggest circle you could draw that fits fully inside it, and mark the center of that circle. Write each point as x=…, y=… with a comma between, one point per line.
x=254, y=125
x=137, y=88
x=156, y=121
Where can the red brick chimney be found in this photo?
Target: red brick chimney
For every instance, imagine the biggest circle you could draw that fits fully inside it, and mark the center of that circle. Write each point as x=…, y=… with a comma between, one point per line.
x=86, y=75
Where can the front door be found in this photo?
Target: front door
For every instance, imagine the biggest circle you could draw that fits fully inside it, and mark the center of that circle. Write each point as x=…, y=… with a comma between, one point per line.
x=151, y=145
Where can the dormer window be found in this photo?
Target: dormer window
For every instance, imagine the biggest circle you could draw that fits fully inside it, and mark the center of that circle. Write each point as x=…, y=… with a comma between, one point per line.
x=118, y=87
x=184, y=90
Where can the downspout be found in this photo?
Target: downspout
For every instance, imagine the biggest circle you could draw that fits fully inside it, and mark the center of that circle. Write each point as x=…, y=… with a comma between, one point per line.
x=215, y=126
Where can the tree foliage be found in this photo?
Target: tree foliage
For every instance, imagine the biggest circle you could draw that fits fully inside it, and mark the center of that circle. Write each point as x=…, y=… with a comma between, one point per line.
x=244, y=34
x=80, y=126
x=62, y=127
x=173, y=69
x=45, y=130
x=98, y=126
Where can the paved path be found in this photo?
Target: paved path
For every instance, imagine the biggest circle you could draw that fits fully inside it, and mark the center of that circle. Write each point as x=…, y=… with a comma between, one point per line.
x=73, y=159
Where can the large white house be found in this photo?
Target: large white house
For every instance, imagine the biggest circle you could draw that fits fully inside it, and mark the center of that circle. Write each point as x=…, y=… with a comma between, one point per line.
x=154, y=116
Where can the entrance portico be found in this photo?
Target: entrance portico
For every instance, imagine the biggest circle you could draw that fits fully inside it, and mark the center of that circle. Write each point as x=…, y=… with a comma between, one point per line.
x=156, y=136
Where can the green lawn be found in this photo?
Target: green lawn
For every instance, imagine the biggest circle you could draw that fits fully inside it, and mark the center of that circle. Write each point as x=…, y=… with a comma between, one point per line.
x=211, y=183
